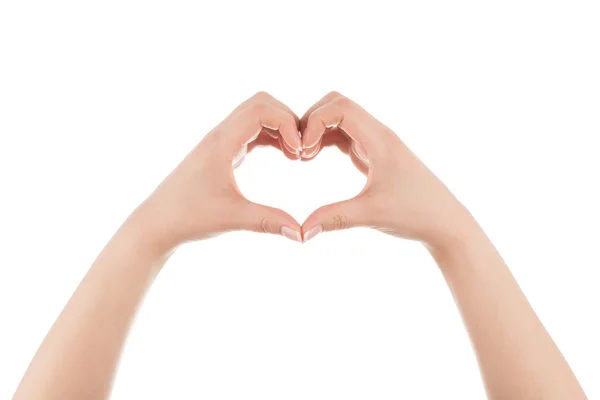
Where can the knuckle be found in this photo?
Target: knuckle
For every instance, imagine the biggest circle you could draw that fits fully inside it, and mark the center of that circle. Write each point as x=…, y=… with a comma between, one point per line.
x=258, y=108
x=343, y=102
x=333, y=95
x=339, y=221
x=265, y=226
x=262, y=95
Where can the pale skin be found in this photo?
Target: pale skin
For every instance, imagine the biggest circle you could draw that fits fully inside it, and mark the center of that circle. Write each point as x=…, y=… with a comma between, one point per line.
x=200, y=199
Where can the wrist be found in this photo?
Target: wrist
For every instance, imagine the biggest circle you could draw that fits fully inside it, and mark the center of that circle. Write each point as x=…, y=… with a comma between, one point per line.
x=147, y=238
x=463, y=237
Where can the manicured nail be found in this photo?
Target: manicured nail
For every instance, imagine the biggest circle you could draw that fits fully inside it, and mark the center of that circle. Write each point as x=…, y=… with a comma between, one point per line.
x=313, y=232
x=306, y=154
x=291, y=234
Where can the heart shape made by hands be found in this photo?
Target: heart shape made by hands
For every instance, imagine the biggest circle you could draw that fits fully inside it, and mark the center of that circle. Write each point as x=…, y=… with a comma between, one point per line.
x=299, y=188
x=332, y=137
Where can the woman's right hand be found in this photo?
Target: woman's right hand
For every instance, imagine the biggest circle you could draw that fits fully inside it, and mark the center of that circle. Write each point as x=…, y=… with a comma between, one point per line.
x=200, y=198
x=401, y=197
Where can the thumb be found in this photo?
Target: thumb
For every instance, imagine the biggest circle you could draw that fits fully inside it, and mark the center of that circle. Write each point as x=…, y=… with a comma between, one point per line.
x=258, y=218
x=343, y=215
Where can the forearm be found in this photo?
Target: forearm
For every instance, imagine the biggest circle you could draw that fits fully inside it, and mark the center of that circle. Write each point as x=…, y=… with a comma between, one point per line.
x=518, y=358
x=78, y=357
x=199, y=199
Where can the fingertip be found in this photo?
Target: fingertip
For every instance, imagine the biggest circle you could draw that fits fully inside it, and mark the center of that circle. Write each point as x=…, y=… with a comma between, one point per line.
x=315, y=129
x=291, y=233
x=311, y=233
x=288, y=151
x=312, y=221
x=311, y=152
x=291, y=136
x=312, y=135
x=290, y=228
x=292, y=142
x=282, y=219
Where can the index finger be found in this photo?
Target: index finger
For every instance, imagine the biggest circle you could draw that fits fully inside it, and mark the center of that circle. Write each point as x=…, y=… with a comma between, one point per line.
x=348, y=117
x=324, y=100
x=247, y=124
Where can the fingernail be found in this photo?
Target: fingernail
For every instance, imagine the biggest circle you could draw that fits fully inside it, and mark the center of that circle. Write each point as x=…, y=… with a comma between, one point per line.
x=305, y=154
x=291, y=234
x=254, y=137
x=313, y=232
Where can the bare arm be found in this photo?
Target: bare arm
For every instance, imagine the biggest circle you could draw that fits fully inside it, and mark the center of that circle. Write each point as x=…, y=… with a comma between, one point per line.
x=78, y=357
x=517, y=357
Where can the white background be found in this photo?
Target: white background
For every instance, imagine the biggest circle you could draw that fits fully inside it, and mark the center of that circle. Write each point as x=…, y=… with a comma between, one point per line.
x=100, y=100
